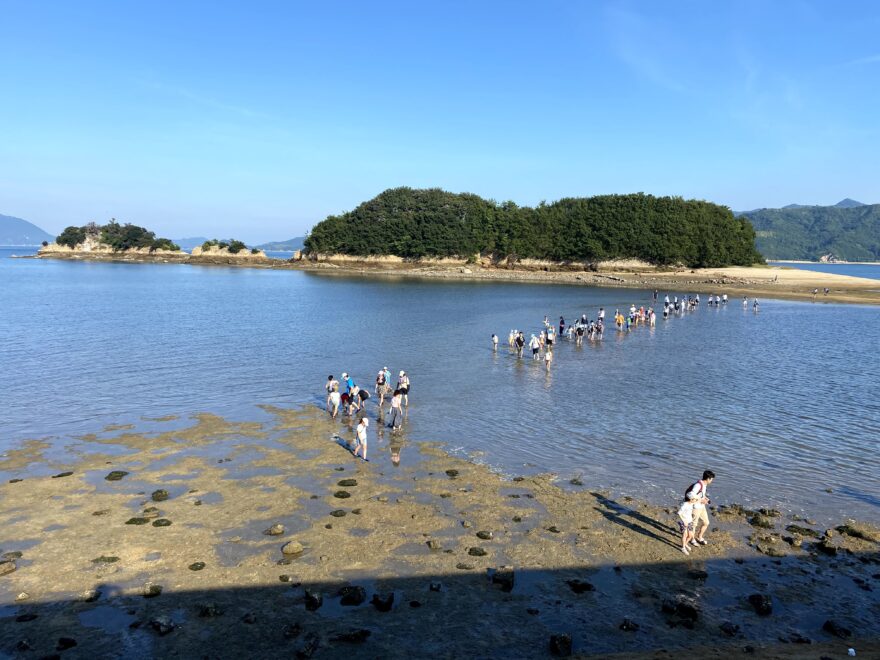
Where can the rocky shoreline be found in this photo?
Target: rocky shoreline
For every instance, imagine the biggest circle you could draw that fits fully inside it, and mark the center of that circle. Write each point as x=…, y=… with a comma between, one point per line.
x=761, y=282
x=211, y=537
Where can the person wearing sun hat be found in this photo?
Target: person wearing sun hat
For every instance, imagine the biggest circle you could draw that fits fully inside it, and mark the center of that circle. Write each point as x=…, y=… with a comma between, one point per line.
x=403, y=386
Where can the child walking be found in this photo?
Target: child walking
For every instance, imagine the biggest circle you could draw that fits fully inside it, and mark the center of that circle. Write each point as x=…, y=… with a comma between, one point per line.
x=686, y=522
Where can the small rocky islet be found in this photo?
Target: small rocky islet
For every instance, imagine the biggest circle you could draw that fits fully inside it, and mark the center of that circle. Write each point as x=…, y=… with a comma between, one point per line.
x=564, y=570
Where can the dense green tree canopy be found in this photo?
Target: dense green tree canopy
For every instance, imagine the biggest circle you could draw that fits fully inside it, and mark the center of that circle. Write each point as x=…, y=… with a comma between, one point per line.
x=117, y=236
x=415, y=223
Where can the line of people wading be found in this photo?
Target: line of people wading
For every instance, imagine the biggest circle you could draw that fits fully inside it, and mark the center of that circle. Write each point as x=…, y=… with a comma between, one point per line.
x=541, y=344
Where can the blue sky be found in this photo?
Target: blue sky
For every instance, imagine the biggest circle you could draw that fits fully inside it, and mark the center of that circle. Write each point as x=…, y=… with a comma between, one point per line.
x=257, y=120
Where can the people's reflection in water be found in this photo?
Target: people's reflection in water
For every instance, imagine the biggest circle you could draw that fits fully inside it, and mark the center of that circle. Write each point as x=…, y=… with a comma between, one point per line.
x=395, y=446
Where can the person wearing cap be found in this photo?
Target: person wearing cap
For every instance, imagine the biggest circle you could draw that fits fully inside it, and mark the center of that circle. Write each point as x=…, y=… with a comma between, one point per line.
x=403, y=386
x=381, y=386
x=349, y=383
x=360, y=438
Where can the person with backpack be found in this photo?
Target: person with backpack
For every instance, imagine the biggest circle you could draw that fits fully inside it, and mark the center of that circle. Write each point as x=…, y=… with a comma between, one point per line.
x=698, y=493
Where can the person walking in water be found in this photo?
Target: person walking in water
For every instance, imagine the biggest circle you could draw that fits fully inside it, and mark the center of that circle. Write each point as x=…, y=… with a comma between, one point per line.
x=360, y=438
x=494, y=343
x=561, y=326
x=333, y=401
x=330, y=385
x=381, y=386
x=396, y=411
x=548, y=357
x=535, y=346
x=520, y=342
x=403, y=386
x=699, y=495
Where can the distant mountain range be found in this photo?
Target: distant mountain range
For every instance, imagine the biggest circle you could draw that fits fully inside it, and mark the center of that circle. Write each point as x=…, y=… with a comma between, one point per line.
x=187, y=244
x=15, y=231
x=849, y=230
x=290, y=245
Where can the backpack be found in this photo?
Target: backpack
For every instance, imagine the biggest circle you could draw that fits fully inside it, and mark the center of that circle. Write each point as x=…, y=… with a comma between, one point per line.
x=698, y=485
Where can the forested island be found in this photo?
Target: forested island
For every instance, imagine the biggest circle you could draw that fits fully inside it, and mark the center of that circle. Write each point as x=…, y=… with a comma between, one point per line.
x=848, y=231
x=118, y=237
x=417, y=223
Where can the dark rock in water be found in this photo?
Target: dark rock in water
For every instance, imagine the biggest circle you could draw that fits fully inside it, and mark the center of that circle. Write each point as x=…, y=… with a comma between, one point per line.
x=760, y=522
x=291, y=631
x=831, y=626
x=339, y=469
x=103, y=559
x=485, y=535
x=762, y=603
x=61, y=474
x=517, y=519
x=116, y=475
x=435, y=586
x=414, y=604
x=347, y=483
x=159, y=495
x=464, y=567
x=383, y=602
x=352, y=595
x=682, y=606
x=249, y=618
x=580, y=586
x=476, y=552
x=15, y=481
x=338, y=513
x=151, y=590
x=328, y=526
x=25, y=618
x=452, y=474
x=576, y=482
x=137, y=521
x=313, y=600
x=13, y=554
x=827, y=548
x=150, y=512
x=433, y=544
x=210, y=611
x=7, y=567
x=467, y=524
x=803, y=531
x=554, y=529
x=162, y=625
x=797, y=638
x=629, y=626
x=352, y=637
x=504, y=577
x=729, y=629
x=197, y=566
x=769, y=548
x=309, y=646
x=162, y=522
x=770, y=513
x=342, y=494
x=275, y=530
x=560, y=645
x=65, y=643
x=531, y=611
x=697, y=574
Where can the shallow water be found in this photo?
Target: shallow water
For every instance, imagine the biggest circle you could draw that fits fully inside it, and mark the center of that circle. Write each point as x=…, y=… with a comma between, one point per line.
x=870, y=271
x=782, y=404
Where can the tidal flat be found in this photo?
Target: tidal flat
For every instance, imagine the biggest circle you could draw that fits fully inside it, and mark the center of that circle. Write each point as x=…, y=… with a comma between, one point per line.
x=268, y=539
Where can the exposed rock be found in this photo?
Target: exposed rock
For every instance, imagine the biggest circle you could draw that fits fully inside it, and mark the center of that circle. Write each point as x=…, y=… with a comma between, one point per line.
x=61, y=474
x=288, y=579
x=467, y=524
x=797, y=638
x=14, y=554
x=210, y=611
x=827, y=548
x=313, y=600
x=197, y=566
x=352, y=595
x=347, y=483
x=803, y=531
x=101, y=512
x=150, y=512
x=151, y=590
x=90, y=595
x=65, y=643
x=485, y=535
x=554, y=529
x=697, y=574
x=576, y=482
x=859, y=531
x=162, y=625
x=275, y=530
x=580, y=586
x=833, y=627
x=682, y=606
x=25, y=618
x=433, y=544
x=760, y=521
x=560, y=645
x=103, y=559
x=342, y=494
x=7, y=567
x=159, y=495
x=162, y=522
x=137, y=521
x=762, y=603
x=517, y=519
x=435, y=586
x=770, y=513
x=464, y=567
x=309, y=646
x=116, y=475
x=629, y=626
x=383, y=602
x=729, y=629
x=24, y=595
x=504, y=578
x=338, y=513
x=476, y=552
x=452, y=474
x=356, y=512
x=292, y=548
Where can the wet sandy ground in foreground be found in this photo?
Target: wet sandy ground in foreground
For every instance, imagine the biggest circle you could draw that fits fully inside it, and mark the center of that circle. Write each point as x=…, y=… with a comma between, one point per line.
x=438, y=556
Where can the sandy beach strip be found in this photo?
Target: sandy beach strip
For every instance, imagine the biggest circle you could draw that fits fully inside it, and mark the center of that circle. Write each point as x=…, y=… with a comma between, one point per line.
x=269, y=539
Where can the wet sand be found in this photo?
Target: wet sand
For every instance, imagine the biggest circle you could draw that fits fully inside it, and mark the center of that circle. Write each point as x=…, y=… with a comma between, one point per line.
x=438, y=556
